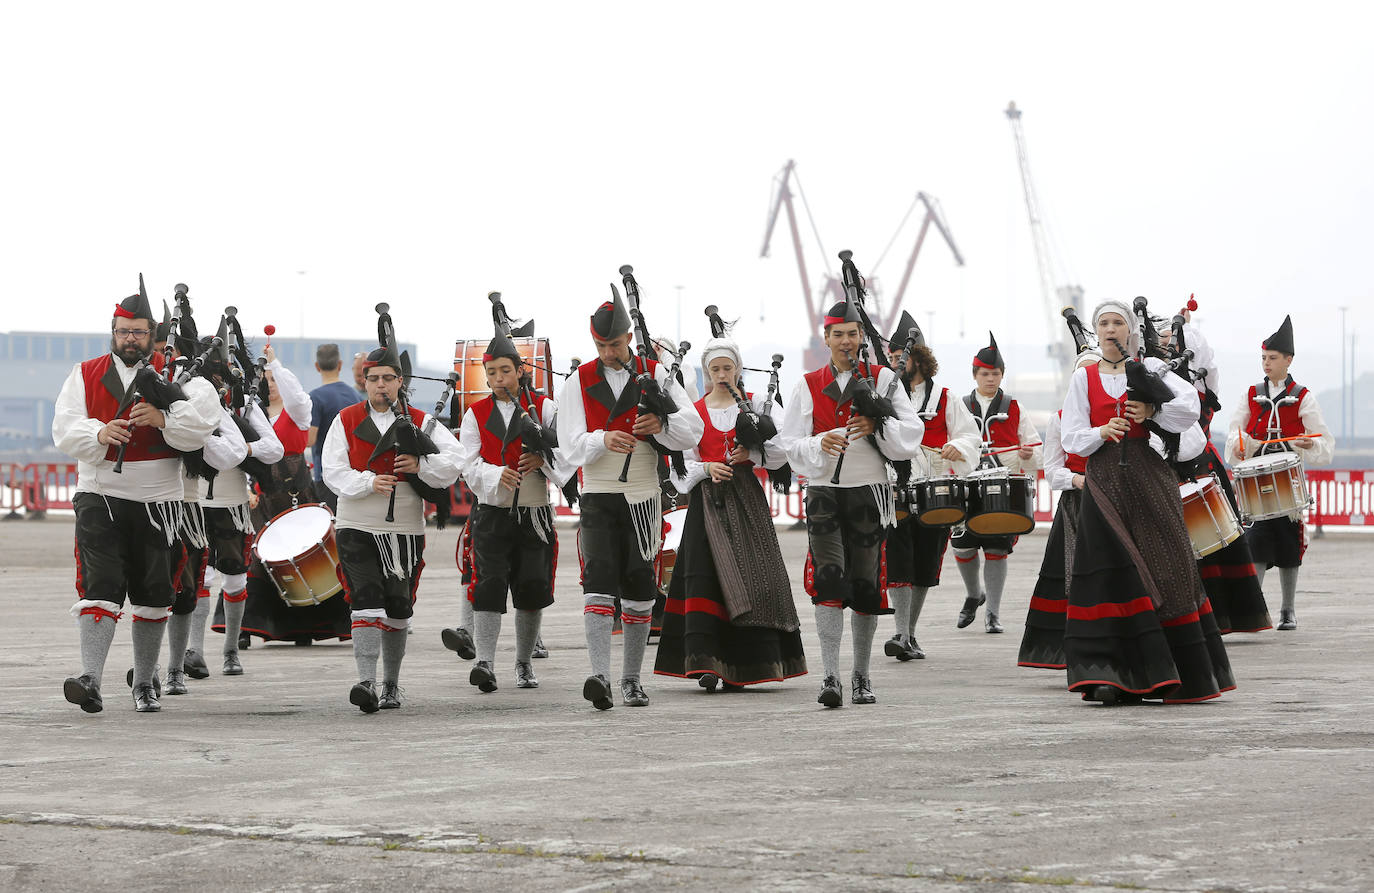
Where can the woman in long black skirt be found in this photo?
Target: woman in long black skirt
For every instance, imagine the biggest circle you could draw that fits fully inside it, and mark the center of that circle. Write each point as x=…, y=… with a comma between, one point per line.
x=730, y=618
x=1138, y=623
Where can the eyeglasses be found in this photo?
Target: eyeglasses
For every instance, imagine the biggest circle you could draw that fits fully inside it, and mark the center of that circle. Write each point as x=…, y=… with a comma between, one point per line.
x=126, y=334
x=384, y=379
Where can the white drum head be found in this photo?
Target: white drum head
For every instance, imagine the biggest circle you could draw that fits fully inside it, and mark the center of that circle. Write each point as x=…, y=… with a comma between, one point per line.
x=673, y=524
x=293, y=533
x=984, y=474
x=1189, y=488
x=1267, y=464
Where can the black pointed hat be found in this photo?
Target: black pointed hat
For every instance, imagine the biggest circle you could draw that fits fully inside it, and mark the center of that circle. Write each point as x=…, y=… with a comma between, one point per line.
x=905, y=325
x=501, y=346
x=164, y=328
x=990, y=357
x=844, y=311
x=136, y=306
x=218, y=362
x=383, y=356
x=611, y=319
x=1282, y=340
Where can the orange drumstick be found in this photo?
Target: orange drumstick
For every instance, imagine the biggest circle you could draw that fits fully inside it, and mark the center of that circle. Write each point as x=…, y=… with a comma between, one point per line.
x=1286, y=439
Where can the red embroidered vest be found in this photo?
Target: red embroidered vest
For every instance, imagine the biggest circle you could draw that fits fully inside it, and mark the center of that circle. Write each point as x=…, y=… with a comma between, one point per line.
x=1103, y=407
x=360, y=448
x=937, y=426
x=1290, y=420
x=597, y=400
x=826, y=413
x=101, y=380
x=1072, y=461
x=715, y=445
x=292, y=438
x=490, y=447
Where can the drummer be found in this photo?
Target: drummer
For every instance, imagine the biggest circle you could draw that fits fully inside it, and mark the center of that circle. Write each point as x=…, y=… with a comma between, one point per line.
x=1010, y=441
x=1279, y=408
x=950, y=446
x=514, y=544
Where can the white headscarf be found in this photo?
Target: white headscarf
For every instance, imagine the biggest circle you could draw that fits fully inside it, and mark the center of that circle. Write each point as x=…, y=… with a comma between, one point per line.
x=721, y=347
x=1120, y=307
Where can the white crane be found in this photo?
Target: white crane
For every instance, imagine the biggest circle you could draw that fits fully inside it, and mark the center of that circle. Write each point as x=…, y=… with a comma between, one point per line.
x=1061, y=349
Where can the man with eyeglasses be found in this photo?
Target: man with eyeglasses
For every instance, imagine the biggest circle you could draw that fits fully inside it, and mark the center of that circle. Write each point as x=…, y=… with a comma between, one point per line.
x=126, y=522
x=381, y=559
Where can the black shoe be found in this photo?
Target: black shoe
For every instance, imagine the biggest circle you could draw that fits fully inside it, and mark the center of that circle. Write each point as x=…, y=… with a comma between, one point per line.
x=194, y=665
x=991, y=623
x=524, y=676
x=632, y=693
x=304, y=641
x=483, y=676
x=145, y=699
x=364, y=697
x=540, y=651
x=708, y=681
x=176, y=682
x=597, y=689
x=84, y=693
x=245, y=641
x=970, y=610
x=459, y=640
x=1288, y=620
x=390, y=698
x=913, y=648
x=861, y=690
x=157, y=684
x=832, y=695
x=232, y=667
x=896, y=647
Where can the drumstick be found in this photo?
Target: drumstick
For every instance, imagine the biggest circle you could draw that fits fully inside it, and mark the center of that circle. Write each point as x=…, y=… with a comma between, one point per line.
x=1286, y=439
x=269, y=330
x=1017, y=447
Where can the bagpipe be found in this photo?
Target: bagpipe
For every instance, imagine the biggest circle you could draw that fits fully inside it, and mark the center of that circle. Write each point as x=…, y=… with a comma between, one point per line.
x=1083, y=340
x=867, y=401
x=404, y=435
x=653, y=398
x=148, y=386
x=534, y=435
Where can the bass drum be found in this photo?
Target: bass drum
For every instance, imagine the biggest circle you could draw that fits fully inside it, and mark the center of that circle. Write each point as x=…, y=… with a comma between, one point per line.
x=472, y=376
x=674, y=522
x=297, y=550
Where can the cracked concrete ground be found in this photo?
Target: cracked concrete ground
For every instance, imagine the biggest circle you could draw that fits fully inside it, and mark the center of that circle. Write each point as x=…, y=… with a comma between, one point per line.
x=968, y=772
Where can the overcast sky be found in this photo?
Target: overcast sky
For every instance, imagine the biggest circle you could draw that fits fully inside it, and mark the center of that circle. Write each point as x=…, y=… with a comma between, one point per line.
x=306, y=160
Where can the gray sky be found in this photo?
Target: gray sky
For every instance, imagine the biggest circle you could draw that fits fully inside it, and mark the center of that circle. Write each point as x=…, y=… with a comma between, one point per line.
x=424, y=154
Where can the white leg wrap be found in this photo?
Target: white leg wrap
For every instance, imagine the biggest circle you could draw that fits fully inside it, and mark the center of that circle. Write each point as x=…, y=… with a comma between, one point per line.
x=146, y=613
x=94, y=603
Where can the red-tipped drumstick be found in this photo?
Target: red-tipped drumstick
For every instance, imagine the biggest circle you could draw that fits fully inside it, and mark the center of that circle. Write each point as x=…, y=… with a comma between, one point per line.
x=269, y=330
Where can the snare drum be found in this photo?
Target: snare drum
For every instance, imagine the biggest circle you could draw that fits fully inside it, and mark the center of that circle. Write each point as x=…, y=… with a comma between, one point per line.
x=939, y=501
x=674, y=523
x=472, y=374
x=1271, y=486
x=1000, y=503
x=1212, y=524
x=297, y=550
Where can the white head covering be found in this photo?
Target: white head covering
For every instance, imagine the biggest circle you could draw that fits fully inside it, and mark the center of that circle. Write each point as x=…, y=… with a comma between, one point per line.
x=720, y=347
x=1121, y=307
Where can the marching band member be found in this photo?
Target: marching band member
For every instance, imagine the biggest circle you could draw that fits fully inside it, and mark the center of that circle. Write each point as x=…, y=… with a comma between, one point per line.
x=1042, y=642
x=915, y=552
x=126, y=522
x=1138, y=622
x=514, y=545
x=1275, y=408
x=621, y=515
x=1005, y=425
x=380, y=560
x=729, y=618
x=848, y=506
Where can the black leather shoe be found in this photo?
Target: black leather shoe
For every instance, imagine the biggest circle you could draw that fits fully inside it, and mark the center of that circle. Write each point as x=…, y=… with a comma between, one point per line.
x=1288, y=620
x=708, y=681
x=540, y=651
x=861, y=691
x=524, y=676
x=245, y=641
x=483, y=676
x=390, y=698
x=832, y=695
x=896, y=647
x=232, y=667
x=597, y=689
x=632, y=693
x=364, y=696
x=991, y=623
x=145, y=699
x=459, y=640
x=304, y=641
x=176, y=682
x=913, y=648
x=84, y=693
x=157, y=684
x=970, y=610
x=194, y=665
